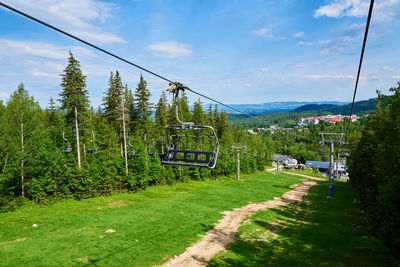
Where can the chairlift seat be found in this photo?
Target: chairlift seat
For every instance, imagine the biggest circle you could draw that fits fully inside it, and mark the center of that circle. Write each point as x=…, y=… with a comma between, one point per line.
x=66, y=149
x=191, y=158
x=92, y=151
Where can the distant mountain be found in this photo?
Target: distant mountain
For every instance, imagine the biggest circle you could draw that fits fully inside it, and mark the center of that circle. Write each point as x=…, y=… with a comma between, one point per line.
x=362, y=106
x=272, y=107
x=313, y=107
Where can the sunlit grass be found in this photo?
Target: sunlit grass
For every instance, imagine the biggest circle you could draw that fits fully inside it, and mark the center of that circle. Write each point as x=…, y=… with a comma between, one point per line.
x=318, y=232
x=150, y=227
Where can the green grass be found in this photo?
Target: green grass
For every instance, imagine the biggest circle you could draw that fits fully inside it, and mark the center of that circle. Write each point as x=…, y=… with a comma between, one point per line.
x=151, y=226
x=310, y=172
x=320, y=232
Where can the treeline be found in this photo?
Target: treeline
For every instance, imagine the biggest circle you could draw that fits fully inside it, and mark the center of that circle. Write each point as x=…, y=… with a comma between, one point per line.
x=374, y=169
x=72, y=150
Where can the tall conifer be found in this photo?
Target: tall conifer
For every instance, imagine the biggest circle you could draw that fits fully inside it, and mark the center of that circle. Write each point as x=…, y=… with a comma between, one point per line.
x=74, y=97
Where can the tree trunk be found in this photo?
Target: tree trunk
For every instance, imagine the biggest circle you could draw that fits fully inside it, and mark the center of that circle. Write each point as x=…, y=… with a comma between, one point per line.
x=124, y=131
x=22, y=161
x=78, y=148
x=5, y=163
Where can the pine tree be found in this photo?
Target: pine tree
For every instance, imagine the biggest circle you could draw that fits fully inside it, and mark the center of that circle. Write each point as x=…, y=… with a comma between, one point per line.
x=112, y=101
x=74, y=97
x=222, y=124
x=198, y=113
x=161, y=116
x=143, y=106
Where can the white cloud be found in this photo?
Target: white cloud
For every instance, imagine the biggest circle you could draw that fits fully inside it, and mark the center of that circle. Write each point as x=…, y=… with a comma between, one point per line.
x=387, y=68
x=263, y=69
x=19, y=49
x=340, y=8
x=384, y=10
x=264, y=32
x=298, y=34
x=319, y=42
x=396, y=77
x=74, y=16
x=170, y=49
x=334, y=77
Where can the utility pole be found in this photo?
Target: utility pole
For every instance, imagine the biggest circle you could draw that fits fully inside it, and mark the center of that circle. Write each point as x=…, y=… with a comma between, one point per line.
x=331, y=139
x=238, y=148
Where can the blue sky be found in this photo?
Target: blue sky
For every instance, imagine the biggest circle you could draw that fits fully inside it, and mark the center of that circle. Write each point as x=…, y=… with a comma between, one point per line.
x=239, y=52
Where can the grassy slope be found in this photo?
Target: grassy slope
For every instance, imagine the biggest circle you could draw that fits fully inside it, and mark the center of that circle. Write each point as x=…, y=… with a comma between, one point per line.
x=327, y=232
x=151, y=226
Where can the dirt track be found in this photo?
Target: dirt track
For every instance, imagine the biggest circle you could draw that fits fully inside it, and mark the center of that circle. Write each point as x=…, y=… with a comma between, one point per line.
x=223, y=233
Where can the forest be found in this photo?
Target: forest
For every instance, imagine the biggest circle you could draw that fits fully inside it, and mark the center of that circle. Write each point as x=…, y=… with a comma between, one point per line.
x=73, y=150
x=374, y=168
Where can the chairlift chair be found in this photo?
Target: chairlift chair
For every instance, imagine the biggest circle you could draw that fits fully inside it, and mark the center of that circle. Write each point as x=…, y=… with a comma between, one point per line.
x=178, y=153
x=152, y=152
x=131, y=152
x=66, y=148
x=93, y=149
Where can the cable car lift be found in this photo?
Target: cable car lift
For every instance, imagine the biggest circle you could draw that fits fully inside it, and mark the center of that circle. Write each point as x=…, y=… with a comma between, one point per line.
x=180, y=153
x=93, y=149
x=66, y=148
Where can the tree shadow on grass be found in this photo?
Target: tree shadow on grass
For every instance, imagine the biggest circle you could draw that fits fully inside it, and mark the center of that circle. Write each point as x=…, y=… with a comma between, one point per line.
x=322, y=233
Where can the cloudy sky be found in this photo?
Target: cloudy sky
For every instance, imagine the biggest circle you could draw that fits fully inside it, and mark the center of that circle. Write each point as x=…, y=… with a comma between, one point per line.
x=237, y=51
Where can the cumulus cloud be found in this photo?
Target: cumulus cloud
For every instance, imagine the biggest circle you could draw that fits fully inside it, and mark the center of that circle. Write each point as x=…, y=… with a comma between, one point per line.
x=264, y=32
x=298, y=34
x=74, y=16
x=20, y=49
x=324, y=77
x=263, y=69
x=387, y=68
x=170, y=49
x=319, y=42
x=384, y=10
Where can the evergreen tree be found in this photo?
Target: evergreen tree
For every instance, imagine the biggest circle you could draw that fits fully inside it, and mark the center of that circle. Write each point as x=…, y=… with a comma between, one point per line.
x=198, y=113
x=161, y=117
x=143, y=106
x=222, y=124
x=74, y=97
x=113, y=100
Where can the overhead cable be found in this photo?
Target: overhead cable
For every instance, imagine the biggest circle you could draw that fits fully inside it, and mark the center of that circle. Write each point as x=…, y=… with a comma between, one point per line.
x=118, y=57
x=371, y=5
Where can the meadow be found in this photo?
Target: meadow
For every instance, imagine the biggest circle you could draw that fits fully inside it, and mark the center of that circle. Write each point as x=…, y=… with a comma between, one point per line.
x=144, y=229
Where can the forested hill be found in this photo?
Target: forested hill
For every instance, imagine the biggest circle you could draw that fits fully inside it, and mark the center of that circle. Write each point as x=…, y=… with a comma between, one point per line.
x=363, y=106
x=313, y=107
x=360, y=107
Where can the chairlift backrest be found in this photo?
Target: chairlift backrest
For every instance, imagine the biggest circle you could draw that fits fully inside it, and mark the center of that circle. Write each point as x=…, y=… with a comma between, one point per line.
x=178, y=153
x=66, y=148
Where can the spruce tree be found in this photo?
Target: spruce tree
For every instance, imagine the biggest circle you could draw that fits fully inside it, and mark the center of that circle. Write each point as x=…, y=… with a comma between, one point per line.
x=143, y=106
x=74, y=97
x=161, y=116
x=198, y=113
x=113, y=100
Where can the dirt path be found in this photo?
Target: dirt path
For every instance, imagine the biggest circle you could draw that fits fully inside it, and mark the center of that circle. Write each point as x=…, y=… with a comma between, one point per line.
x=223, y=233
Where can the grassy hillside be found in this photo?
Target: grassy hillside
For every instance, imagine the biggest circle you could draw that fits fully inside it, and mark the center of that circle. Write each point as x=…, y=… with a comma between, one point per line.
x=319, y=232
x=150, y=227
